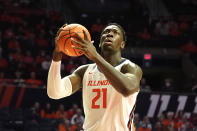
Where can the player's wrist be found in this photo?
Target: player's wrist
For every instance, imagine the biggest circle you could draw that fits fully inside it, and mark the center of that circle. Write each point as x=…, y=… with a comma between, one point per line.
x=57, y=56
x=96, y=57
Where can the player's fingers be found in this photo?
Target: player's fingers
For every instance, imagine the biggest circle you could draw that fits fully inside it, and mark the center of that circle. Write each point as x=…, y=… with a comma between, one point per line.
x=64, y=25
x=61, y=29
x=85, y=35
x=79, y=48
x=58, y=32
x=84, y=50
x=79, y=38
x=77, y=42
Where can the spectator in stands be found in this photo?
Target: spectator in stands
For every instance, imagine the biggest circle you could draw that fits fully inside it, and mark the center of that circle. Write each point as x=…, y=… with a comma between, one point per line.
x=3, y=63
x=158, y=126
x=178, y=120
x=145, y=35
x=33, y=81
x=175, y=32
x=28, y=39
x=70, y=66
x=28, y=58
x=183, y=26
x=144, y=86
x=40, y=57
x=161, y=28
x=65, y=125
x=168, y=87
x=3, y=79
x=45, y=66
x=22, y=67
x=79, y=126
x=145, y=125
x=193, y=120
x=13, y=44
x=194, y=26
x=61, y=113
x=189, y=47
x=78, y=118
x=18, y=80
x=17, y=56
x=35, y=110
x=168, y=121
x=34, y=68
x=12, y=64
x=137, y=121
x=8, y=34
x=173, y=28
x=46, y=63
x=47, y=111
x=183, y=124
x=41, y=42
x=72, y=111
x=179, y=115
x=97, y=27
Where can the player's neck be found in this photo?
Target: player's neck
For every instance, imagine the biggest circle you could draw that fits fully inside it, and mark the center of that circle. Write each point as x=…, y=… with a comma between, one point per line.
x=113, y=58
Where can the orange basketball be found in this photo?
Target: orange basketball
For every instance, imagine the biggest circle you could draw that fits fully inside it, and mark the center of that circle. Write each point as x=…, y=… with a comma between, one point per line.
x=64, y=39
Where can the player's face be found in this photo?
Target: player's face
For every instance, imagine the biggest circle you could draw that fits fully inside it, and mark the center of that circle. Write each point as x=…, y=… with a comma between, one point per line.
x=112, y=38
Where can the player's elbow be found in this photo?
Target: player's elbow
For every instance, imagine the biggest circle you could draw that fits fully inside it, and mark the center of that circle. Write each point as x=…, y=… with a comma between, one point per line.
x=130, y=90
x=52, y=95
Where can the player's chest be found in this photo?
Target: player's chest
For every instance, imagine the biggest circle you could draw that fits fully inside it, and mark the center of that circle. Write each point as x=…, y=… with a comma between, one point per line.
x=98, y=88
x=97, y=80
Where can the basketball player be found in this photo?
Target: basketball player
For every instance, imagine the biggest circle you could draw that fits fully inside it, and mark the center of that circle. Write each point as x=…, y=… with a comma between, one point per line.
x=109, y=86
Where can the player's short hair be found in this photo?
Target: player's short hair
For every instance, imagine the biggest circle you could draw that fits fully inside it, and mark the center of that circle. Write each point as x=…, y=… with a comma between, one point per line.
x=121, y=28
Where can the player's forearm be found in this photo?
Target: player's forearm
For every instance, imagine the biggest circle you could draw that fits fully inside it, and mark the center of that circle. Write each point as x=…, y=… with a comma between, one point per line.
x=56, y=87
x=123, y=84
x=53, y=79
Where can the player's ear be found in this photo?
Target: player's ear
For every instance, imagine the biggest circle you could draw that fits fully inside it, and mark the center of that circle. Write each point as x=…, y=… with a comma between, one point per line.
x=122, y=45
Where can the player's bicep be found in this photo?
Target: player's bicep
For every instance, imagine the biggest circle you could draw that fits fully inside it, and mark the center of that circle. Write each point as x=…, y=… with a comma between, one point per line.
x=133, y=74
x=132, y=71
x=75, y=81
x=132, y=78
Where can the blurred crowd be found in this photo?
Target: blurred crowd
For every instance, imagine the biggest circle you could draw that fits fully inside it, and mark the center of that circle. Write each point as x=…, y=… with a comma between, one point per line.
x=27, y=34
x=71, y=118
x=167, y=121
x=42, y=118
x=66, y=120
x=26, y=44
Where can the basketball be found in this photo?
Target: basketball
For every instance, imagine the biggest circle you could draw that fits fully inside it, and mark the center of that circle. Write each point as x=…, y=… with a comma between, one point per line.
x=64, y=39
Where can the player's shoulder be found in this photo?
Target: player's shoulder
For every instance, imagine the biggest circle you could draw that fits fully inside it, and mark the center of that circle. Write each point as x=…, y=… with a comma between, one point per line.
x=82, y=69
x=132, y=66
x=129, y=62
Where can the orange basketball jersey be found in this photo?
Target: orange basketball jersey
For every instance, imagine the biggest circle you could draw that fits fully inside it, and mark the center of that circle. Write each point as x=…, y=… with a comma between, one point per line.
x=106, y=109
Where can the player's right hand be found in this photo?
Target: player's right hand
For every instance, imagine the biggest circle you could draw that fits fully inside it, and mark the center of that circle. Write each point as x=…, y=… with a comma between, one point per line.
x=57, y=49
x=57, y=53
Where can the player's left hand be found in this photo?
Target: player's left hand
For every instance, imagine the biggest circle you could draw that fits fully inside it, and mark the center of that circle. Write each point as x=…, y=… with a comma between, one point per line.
x=86, y=46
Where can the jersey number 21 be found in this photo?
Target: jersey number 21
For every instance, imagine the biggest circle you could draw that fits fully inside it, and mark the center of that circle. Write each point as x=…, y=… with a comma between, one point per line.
x=98, y=95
